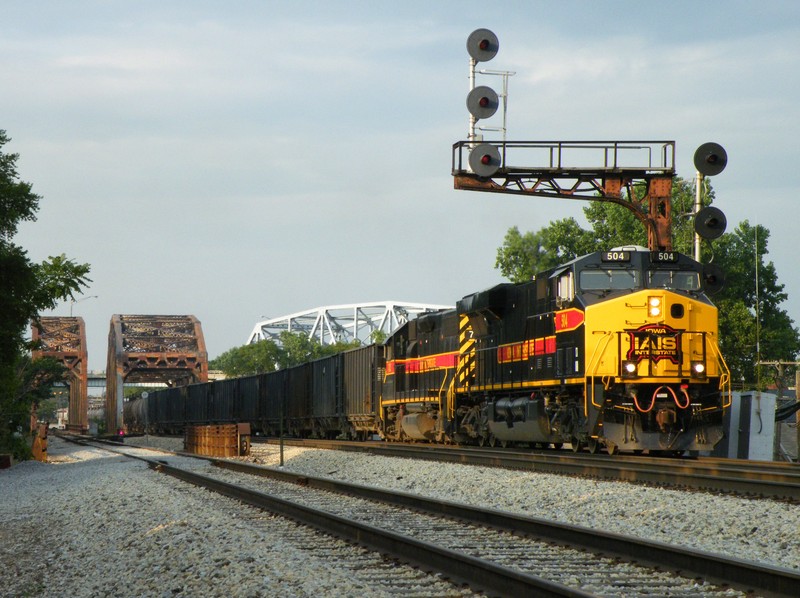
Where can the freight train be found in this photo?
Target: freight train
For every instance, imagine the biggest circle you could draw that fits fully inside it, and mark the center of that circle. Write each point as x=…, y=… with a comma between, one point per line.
x=615, y=350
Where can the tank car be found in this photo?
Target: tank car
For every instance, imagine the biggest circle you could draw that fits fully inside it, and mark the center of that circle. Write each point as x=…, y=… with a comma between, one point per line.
x=615, y=349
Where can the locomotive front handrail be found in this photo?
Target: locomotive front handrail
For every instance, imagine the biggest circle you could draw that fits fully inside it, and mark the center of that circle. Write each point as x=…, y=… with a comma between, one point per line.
x=591, y=371
x=725, y=384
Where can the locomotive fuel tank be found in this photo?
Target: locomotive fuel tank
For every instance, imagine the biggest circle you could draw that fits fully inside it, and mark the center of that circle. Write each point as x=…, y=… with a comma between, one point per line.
x=419, y=426
x=520, y=419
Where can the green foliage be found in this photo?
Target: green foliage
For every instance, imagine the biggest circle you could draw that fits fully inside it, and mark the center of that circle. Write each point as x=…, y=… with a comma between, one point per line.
x=612, y=225
x=753, y=326
x=26, y=289
x=522, y=256
x=378, y=337
x=267, y=356
x=29, y=385
x=257, y=358
x=17, y=201
x=100, y=422
x=133, y=392
x=750, y=329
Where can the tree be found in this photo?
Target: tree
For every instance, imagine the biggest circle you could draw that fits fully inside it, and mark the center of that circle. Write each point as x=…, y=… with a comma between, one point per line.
x=522, y=256
x=752, y=326
x=256, y=358
x=267, y=355
x=612, y=225
x=26, y=289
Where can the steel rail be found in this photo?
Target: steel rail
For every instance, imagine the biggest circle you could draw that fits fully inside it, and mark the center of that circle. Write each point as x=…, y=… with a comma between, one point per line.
x=745, y=575
x=477, y=573
x=779, y=481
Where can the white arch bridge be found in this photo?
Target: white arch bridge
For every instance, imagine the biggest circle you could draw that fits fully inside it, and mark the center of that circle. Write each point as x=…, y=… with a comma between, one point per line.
x=343, y=323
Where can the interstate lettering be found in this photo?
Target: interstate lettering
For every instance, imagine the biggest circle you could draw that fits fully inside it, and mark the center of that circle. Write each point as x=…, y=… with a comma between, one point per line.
x=654, y=342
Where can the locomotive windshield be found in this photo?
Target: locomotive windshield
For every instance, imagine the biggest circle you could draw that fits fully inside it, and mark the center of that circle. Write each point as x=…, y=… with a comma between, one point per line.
x=609, y=279
x=682, y=280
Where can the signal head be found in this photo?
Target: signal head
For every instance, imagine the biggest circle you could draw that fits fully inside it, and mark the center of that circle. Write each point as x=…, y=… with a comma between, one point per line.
x=713, y=279
x=710, y=223
x=710, y=159
x=482, y=45
x=484, y=160
x=482, y=102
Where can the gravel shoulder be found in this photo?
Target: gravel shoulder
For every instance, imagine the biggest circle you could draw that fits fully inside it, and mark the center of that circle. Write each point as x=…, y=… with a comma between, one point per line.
x=90, y=524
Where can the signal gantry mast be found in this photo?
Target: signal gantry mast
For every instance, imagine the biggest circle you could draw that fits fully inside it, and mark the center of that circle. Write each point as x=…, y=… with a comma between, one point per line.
x=634, y=174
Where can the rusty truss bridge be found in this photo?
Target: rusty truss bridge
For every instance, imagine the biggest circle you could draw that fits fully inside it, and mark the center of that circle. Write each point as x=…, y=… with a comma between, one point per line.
x=148, y=349
x=64, y=339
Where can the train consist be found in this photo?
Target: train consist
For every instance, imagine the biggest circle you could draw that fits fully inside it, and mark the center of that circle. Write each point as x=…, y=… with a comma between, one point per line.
x=616, y=350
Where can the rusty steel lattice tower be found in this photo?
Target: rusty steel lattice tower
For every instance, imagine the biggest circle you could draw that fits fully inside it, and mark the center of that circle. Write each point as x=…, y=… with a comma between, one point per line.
x=152, y=349
x=64, y=339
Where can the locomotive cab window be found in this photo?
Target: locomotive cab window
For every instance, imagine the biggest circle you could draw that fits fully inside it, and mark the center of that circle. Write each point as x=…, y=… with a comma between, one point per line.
x=608, y=279
x=682, y=280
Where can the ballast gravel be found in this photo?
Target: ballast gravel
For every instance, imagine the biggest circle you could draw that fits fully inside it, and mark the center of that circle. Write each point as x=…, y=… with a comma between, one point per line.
x=80, y=527
x=92, y=524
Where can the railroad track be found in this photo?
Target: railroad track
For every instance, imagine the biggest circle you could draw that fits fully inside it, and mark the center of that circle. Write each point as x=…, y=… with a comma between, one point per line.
x=500, y=553
x=753, y=478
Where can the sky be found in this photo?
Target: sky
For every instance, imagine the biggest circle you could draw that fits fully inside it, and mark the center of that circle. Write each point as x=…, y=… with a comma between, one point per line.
x=252, y=159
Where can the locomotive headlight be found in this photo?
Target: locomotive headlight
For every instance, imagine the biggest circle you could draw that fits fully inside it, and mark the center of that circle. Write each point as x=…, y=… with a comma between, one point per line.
x=698, y=369
x=629, y=369
x=654, y=306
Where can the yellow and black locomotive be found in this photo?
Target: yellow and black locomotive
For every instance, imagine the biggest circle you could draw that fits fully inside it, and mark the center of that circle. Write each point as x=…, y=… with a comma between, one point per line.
x=615, y=349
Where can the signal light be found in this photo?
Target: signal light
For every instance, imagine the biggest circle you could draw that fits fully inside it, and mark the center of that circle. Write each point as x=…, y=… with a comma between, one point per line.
x=482, y=102
x=482, y=45
x=710, y=159
x=484, y=160
x=713, y=278
x=710, y=223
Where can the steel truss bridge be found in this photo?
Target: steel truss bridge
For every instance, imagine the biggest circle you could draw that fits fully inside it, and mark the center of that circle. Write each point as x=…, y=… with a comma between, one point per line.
x=64, y=339
x=152, y=349
x=343, y=323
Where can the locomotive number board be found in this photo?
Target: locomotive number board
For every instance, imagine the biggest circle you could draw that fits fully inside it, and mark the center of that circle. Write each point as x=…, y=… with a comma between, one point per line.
x=663, y=256
x=616, y=256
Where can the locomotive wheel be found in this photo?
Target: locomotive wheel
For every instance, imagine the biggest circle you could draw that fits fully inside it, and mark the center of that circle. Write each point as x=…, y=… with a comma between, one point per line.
x=492, y=440
x=593, y=445
x=557, y=445
x=576, y=445
x=612, y=448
